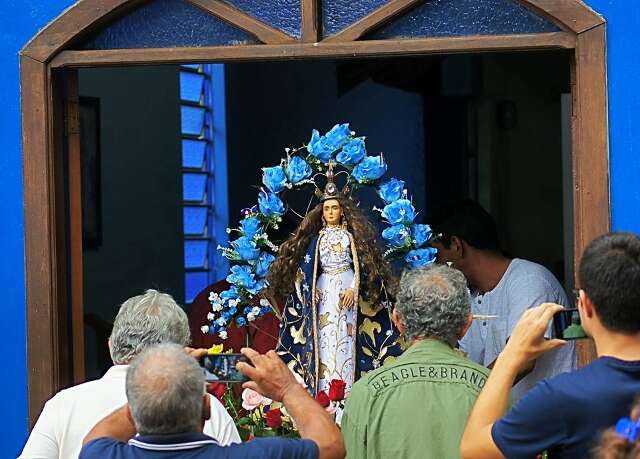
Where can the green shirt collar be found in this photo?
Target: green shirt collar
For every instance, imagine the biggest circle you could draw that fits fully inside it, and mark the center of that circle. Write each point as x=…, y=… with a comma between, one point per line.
x=429, y=346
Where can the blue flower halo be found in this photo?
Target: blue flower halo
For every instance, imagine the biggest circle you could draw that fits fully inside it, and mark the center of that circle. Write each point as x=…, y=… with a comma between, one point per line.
x=251, y=253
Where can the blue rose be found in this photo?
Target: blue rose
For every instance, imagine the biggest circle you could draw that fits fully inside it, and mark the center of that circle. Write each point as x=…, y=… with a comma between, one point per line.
x=250, y=226
x=396, y=235
x=246, y=248
x=241, y=321
x=420, y=234
x=319, y=148
x=241, y=276
x=399, y=212
x=421, y=257
x=274, y=178
x=352, y=153
x=270, y=204
x=337, y=136
x=264, y=262
x=369, y=169
x=259, y=285
x=391, y=190
x=230, y=294
x=298, y=170
x=233, y=311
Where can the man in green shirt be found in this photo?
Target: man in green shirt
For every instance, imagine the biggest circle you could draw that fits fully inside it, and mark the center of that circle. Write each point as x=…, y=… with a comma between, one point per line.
x=418, y=405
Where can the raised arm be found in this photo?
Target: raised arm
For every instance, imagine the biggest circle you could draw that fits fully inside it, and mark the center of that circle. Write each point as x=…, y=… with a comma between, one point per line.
x=525, y=345
x=272, y=378
x=117, y=425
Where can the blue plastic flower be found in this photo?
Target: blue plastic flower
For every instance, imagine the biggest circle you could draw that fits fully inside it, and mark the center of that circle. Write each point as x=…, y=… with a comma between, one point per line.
x=232, y=311
x=298, y=170
x=352, y=153
x=241, y=276
x=264, y=262
x=396, y=235
x=420, y=234
x=231, y=294
x=241, y=321
x=399, y=212
x=246, y=248
x=337, y=136
x=421, y=257
x=270, y=204
x=256, y=287
x=369, y=169
x=391, y=190
x=319, y=148
x=274, y=178
x=250, y=226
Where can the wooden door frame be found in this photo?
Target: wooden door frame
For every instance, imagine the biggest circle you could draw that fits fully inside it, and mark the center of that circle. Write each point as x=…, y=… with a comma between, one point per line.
x=50, y=55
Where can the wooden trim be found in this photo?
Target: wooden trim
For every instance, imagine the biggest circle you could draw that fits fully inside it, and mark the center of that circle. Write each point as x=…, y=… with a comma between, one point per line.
x=44, y=241
x=571, y=15
x=372, y=21
x=377, y=48
x=74, y=168
x=590, y=140
x=311, y=21
x=79, y=20
x=40, y=265
x=263, y=32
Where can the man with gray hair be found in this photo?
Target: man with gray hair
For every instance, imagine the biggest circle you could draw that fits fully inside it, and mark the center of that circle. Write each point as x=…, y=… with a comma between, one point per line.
x=417, y=406
x=142, y=321
x=168, y=406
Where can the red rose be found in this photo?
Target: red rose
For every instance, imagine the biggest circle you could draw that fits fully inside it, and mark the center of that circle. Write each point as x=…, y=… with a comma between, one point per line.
x=323, y=399
x=274, y=418
x=336, y=389
x=217, y=390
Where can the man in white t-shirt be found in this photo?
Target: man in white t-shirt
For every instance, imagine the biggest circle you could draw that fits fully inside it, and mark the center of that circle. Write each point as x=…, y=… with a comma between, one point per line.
x=503, y=289
x=143, y=321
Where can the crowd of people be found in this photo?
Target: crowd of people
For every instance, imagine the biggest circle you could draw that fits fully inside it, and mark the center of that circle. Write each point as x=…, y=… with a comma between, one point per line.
x=482, y=375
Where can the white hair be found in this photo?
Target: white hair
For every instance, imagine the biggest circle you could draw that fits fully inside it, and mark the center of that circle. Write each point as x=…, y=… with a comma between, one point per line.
x=165, y=388
x=145, y=320
x=433, y=302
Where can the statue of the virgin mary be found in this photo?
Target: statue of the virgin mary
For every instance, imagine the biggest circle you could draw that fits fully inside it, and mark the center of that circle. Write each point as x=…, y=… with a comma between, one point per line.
x=332, y=271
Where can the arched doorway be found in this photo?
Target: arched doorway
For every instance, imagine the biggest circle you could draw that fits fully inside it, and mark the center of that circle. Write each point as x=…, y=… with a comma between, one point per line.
x=50, y=109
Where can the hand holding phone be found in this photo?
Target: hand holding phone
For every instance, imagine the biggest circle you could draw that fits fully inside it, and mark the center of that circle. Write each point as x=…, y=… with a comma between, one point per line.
x=222, y=368
x=567, y=325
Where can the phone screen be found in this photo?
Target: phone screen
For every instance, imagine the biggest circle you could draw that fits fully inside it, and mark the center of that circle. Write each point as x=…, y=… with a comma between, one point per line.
x=567, y=325
x=222, y=367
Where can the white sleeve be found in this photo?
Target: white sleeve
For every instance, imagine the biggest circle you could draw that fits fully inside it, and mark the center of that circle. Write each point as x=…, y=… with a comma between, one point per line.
x=221, y=426
x=43, y=441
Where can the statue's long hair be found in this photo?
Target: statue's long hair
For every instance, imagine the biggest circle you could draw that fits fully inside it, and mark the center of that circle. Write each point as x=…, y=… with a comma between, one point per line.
x=375, y=271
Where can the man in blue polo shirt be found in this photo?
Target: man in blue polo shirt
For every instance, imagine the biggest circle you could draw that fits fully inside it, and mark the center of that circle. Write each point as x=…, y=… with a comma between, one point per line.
x=565, y=415
x=167, y=406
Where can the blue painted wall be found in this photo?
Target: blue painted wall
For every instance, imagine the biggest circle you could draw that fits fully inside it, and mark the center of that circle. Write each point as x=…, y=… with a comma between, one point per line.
x=623, y=22
x=21, y=19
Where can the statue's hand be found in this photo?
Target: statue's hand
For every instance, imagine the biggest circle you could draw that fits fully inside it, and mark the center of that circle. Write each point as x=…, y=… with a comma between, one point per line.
x=347, y=299
x=318, y=296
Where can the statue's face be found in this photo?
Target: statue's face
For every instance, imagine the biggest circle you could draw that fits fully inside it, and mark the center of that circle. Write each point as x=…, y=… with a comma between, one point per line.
x=332, y=211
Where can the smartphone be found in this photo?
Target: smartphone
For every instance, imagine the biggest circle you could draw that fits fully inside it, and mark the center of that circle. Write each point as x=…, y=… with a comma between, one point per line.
x=567, y=325
x=222, y=367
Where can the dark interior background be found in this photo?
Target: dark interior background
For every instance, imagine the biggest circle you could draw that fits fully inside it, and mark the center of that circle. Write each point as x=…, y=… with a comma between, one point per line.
x=489, y=127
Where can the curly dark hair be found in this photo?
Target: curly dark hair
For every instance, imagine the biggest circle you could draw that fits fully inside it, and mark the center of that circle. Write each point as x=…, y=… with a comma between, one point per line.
x=613, y=446
x=374, y=269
